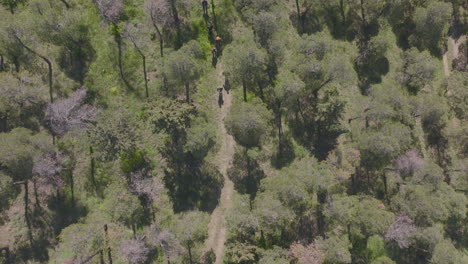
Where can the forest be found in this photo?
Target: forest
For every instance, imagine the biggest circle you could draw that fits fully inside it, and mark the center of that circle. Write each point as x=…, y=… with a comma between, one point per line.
x=234, y=131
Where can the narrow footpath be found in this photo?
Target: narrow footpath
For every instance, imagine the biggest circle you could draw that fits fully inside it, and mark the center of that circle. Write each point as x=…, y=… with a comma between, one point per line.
x=217, y=227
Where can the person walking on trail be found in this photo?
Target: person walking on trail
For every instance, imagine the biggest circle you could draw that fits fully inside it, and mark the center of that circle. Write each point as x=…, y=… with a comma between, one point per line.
x=214, y=57
x=227, y=85
x=205, y=7
x=218, y=41
x=210, y=32
x=220, y=97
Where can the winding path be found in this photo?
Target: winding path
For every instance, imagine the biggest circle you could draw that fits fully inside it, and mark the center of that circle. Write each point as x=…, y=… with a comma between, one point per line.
x=454, y=44
x=217, y=226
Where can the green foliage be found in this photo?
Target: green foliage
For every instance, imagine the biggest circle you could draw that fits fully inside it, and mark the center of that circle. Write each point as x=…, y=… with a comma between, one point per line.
x=22, y=101
x=418, y=70
x=191, y=229
x=248, y=123
x=246, y=172
x=273, y=216
x=375, y=247
x=7, y=192
x=115, y=135
x=379, y=147
x=82, y=240
x=383, y=260
x=246, y=64
x=355, y=136
x=336, y=249
x=242, y=223
x=17, y=153
x=121, y=205
x=445, y=252
x=431, y=24
x=201, y=138
x=364, y=215
x=276, y=255
x=132, y=161
x=457, y=91
x=427, y=205
x=241, y=253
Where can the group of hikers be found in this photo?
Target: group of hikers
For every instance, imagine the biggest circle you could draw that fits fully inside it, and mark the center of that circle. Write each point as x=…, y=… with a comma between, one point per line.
x=216, y=52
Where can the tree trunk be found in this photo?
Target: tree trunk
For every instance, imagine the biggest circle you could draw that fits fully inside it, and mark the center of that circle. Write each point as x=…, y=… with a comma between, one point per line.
x=4, y=123
x=175, y=13
x=342, y=11
x=161, y=45
x=280, y=130
x=72, y=188
x=159, y=35
x=187, y=92
x=363, y=14
x=384, y=179
x=49, y=64
x=109, y=255
x=190, y=253
x=143, y=58
x=92, y=164
x=101, y=257
x=109, y=252
x=36, y=196
x=118, y=40
x=299, y=18
x=26, y=209
x=244, y=88
x=145, y=75
x=17, y=65
x=215, y=22
x=2, y=63
x=175, y=16
x=260, y=87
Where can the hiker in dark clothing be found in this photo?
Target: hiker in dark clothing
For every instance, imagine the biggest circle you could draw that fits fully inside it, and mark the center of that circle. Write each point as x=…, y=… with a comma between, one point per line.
x=214, y=57
x=205, y=7
x=227, y=85
x=218, y=41
x=220, y=96
x=210, y=32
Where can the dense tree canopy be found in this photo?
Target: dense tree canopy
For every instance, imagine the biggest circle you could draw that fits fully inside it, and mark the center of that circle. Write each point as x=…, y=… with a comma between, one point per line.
x=237, y=132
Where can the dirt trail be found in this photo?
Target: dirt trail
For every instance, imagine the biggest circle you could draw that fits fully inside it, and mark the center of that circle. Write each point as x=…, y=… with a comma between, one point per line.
x=446, y=64
x=454, y=46
x=217, y=225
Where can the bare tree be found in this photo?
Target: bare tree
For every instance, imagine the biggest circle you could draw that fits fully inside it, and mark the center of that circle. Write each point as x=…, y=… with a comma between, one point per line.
x=401, y=231
x=18, y=35
x=135, y=250
x=310, y=254
x=408, y=163
x=131, y=32
x=166, y=241
x=146, y=186
x=159, y=12
x=46, y=174
x=143, y=183
x=71, y=113
x=110, y=10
